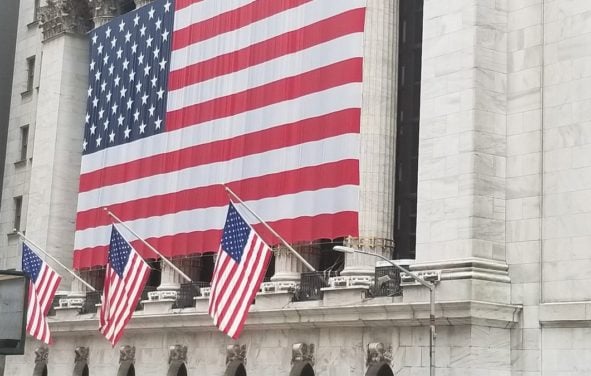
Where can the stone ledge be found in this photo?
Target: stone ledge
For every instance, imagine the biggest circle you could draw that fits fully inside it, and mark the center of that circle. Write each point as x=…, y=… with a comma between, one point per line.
x=299, y=317
x=570, y=314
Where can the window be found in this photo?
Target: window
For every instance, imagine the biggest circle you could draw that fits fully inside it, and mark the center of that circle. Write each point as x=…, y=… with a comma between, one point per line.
x=30, y=72
x=18, y=207
x=410, y=26
x=24, y=141
x=36, y=11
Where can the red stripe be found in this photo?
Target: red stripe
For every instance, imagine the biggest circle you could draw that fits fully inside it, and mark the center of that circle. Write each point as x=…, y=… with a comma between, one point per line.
x=229, y=269
x=308, y=130
x=231, y=20
x=327, y=77
x=180, y=4
x=293, y=230
x=294, y=41
x=345, y=172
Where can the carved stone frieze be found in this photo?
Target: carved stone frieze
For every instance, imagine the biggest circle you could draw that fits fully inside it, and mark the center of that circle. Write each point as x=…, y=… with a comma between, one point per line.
x=41, y=354
x=104, y=11
x=65, y=16
x=378, y=353
x=81, y=354
x=236, y=353
x=177, y=353
x=126, y=353
x=303, y=352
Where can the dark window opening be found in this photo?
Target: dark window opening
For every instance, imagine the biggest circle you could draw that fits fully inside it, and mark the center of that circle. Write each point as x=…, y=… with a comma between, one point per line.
x=407, y=137
x=30, y=72
x=241, y=371
x=18, y=208
x=307, y=371
x=24, y=141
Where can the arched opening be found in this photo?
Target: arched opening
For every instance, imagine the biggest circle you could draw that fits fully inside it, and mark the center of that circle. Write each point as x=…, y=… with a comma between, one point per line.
x=126, y=368
x=241, y=371
x=81, y=369
x=182, y=370
x=235, y=368
x=177, y=368
x=40, y=369
x=302, y=368
x=380, y=369
x=307, y=371
x=131, y=371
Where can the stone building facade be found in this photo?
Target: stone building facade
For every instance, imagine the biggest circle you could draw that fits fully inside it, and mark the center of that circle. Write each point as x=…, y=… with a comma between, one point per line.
x=503, y=206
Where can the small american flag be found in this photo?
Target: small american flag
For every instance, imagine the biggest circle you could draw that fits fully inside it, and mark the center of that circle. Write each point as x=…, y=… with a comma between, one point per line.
x=43, y=284
x=125, y=279
x=239, y=270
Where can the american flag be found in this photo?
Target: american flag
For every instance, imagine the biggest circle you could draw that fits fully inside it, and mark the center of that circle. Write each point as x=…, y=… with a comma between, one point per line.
x=239, y=270
x=261, y=95
x=125, y=278
x=43, y=284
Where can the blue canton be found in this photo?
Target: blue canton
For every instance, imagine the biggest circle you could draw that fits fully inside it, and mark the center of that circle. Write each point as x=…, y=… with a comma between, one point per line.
x=31, y=263
x=119, y=251
x=129, y=63
x=235, y=234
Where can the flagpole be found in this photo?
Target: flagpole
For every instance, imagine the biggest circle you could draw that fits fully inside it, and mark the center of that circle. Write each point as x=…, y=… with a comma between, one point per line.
x=169, y=263
x=295, y=253
x=54, y=259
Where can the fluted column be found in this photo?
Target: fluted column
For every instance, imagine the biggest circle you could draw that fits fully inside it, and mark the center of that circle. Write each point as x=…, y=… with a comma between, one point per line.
x=378, y=138
x=288, y=267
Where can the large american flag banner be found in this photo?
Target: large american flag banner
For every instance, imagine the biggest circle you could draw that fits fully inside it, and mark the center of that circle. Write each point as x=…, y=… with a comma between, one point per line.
x=261, y=95
x=43, y=284
x=125, y=278
x=241, y=264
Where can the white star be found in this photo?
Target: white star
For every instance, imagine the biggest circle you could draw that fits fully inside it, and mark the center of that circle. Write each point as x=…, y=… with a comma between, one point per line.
x=101, y=112
x=117, y=79
x=86, y=118
x=151, y=13
x=114, y=108
x=134, y=47
x=103, y=86
x=98, y=141
x=113, y=42
x=136, y=20
x=158, y=122
x=154, y=81
x=160, y=93
x=106, y=124
x=92, y=129
x=125, y=64
x=140, y=59
x=112, y=136
x=94, y=37
x=97, y=75
x=119, y=53
x=121, y=25
x=158, y=23
x=165, y=35
x=151, y=110
x=142, y=128
x=163, y=64
x=147, y=70
x=131, y=76
x=136, y=115
x=108, y=96
x=95, y=102
x=108, y=32
x=100, y=48
x=120, y=120
x=127, y=37
x=156, y=53
x=92, y=63
x=84, y=144
x=89, y=91
x=167, y=6
x=123, y=91
x=145, y=98
x=138, y=86
x=111, y=68
x=129, y=103
x=143, y=30
x=149, y=42
x=106, y=59
x=126, y=131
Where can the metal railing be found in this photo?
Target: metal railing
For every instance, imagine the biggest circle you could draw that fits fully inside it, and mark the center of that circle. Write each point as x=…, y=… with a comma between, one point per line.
x=311, y=284
x=147, y=289
x=387, y=282
x=92, y=299
x=187, y=292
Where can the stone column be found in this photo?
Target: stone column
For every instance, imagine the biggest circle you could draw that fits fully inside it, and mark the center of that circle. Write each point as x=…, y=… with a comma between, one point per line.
x=287, y=266
x=378, y=139
x=104, y=11
x=59, y=127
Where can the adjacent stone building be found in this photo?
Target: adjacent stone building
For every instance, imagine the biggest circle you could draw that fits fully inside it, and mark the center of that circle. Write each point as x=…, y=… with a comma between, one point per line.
x=475, y=164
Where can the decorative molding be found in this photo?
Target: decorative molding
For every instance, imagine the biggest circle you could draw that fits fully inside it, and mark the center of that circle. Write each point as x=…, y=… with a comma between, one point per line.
x=369, y=242
x=235, y=353
x=127, y=353
x=470, y=268
x=81, y=354
x=302, y=352
x=41, y=354
x=177, y=353
x=65, y=16
x=377, y=353
x=104, y=11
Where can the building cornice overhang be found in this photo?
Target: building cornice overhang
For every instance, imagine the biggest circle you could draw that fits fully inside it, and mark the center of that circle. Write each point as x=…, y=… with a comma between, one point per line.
x=565, y=315
x=309, y=317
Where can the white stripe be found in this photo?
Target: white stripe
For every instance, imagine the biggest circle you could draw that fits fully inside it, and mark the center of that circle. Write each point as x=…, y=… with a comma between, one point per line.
x=267, y=28
x=204, y=10
x=322, y=55
x=219, y=280
x=309, y=106
x=309, y=203
x=290, y=158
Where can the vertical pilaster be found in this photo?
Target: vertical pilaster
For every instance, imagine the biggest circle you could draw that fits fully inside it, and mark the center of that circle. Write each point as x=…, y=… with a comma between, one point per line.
x=378, y=138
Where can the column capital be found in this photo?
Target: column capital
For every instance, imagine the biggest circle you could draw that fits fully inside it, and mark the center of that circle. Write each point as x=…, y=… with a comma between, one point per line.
x=104, y=11
x=141, y=3
x=65, y=16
